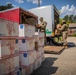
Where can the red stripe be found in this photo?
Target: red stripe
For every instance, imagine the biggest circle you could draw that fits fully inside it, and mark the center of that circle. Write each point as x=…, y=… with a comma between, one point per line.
x=21, y=52
x=26, y=38
x=9, y=56
x=41, y=37
x=8, y=37
x=13, y=72
x=17, y=37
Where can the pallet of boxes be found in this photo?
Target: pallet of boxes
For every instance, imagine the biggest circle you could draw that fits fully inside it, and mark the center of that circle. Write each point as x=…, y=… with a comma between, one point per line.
x=21, y=49
x=26, y=45
x=28, y=53
x=9, y=52
x=31, y=48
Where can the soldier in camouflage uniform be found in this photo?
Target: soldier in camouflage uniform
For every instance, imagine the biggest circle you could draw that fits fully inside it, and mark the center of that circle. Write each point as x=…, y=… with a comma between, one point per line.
x=64, y=30
x=42, y=27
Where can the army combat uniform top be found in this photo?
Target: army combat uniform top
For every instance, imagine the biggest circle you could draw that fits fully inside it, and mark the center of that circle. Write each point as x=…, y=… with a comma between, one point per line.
x=43, y=25
x=64, y=29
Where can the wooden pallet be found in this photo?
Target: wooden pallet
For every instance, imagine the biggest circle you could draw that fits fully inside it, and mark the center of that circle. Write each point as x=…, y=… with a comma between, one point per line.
x=53, y=49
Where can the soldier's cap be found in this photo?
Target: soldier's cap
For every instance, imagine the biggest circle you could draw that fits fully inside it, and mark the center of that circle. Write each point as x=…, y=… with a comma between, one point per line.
x=63, y=21
x=41, y=18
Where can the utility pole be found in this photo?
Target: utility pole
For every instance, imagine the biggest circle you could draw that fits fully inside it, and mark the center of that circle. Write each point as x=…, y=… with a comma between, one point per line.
x=38, y=3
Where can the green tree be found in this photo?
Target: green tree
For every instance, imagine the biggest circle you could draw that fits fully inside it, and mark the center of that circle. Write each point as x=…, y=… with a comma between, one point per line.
x=66, y=18
x=74, y=18
x=70, y=18
x=8, y=6
x=60, y=20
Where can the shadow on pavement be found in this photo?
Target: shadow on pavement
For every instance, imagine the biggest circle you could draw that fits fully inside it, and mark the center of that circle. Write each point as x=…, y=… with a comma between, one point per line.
x=46, y=68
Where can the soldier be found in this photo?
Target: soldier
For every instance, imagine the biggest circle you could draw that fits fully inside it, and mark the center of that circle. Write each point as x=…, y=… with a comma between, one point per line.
x=64, y=29
x=57, y=31
x=42, y=27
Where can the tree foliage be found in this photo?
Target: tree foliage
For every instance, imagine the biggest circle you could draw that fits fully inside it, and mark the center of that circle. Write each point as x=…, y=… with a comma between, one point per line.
x=8, y=6
x=70, y=18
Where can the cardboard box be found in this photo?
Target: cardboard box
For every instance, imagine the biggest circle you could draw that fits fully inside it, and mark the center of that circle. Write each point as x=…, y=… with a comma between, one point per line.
x=41, y=49
x=35, y=55
x=26, y=58
x=42, y=57
x=37, y=63
x=41, y=34
x=26, y=30
x=38, y=54
x=27, y=70
x=23, y=71
x=8, y=47
x=16, y=72
x=36, y=40
x=39, y=38
x=9, y=65
x=8, y=28
x=36, y=36
x=41, y=41
x=26, y=44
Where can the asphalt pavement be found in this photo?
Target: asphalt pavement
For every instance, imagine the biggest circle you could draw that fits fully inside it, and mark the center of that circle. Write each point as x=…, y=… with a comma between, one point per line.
x=60, y=64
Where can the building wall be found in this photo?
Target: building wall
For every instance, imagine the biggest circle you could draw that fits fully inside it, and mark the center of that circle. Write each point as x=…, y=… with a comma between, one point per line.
x=72, y=31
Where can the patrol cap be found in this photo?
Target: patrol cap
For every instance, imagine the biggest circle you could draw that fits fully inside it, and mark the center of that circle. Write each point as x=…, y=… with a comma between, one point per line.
x=41, y=18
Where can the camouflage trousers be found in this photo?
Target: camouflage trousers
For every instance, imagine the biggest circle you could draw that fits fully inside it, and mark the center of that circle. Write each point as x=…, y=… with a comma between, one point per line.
x=64, y=37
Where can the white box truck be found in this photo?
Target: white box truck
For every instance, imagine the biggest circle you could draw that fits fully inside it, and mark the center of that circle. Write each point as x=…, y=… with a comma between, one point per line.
x=50, y=14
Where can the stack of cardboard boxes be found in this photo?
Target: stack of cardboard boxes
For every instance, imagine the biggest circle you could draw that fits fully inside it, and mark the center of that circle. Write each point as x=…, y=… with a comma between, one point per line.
x=26, y=44
x=21, y=49
x=9, y=52
x=39, y=47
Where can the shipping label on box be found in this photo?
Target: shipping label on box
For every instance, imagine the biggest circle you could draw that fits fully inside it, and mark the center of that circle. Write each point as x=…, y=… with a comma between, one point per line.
x=8, y=28
x=36, y=36
x=26, y=30
x=8, y=47
x=26, y=44
x=9, y=65
x=26, y=58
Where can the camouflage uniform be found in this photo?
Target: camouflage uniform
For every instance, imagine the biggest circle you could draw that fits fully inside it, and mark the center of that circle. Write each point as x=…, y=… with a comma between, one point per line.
x=64, y=29
x=43, y=28
x=57, y=31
